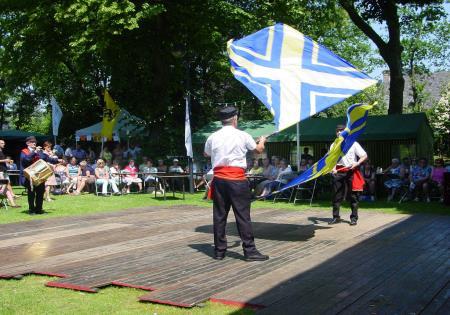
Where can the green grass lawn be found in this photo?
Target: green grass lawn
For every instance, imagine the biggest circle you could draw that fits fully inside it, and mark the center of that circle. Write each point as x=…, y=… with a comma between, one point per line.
x=30, y=296
x=89, y=203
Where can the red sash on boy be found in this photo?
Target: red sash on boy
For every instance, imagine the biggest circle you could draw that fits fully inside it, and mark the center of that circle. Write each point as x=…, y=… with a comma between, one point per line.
x=28, y=152
x=357, y=180
x=228, y=173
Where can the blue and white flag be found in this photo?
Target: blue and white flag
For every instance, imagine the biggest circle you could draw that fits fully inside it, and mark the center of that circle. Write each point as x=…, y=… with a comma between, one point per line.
x=292, y=75
x=356, y=123
x=56, y=116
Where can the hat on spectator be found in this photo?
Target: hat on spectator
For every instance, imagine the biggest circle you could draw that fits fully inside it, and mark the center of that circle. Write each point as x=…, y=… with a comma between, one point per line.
x=227, y=112
x=30, y=138
x=175, y=160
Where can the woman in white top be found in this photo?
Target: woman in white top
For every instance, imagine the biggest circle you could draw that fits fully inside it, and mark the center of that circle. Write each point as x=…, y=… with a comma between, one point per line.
x=102, y=178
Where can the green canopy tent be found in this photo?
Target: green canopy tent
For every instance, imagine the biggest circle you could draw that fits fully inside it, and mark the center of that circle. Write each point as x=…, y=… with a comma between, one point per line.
x=20, y=135
x=385, y=136
x=15, y=141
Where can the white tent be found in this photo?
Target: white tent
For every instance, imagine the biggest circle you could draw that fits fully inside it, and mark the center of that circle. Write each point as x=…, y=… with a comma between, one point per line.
x=127, y=126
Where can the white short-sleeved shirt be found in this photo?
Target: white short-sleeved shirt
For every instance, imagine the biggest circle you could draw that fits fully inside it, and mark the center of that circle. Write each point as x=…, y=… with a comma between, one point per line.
x=228, y=147
x=356, y=151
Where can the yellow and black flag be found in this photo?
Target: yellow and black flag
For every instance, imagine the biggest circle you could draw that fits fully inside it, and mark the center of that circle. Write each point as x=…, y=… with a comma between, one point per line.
x=111, y=114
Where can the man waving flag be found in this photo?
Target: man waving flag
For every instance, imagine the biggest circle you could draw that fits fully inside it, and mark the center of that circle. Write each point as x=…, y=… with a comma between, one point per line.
x=292, y=75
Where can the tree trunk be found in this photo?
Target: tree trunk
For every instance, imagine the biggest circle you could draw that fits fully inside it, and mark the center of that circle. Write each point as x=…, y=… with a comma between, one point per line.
x=390, y=51
x=396, y=86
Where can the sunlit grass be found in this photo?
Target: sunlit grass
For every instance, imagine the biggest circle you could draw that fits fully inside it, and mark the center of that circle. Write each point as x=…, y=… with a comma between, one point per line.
x=30, y=296
x=89, y=203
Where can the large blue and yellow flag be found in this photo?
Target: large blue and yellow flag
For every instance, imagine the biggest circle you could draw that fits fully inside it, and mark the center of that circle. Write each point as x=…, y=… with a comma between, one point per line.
x=356, y=122
x=110, y=116
x=292, y=75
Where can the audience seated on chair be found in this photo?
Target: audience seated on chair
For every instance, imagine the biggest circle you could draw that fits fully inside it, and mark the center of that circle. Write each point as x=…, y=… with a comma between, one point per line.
x=368, y=173
x=4, y=191
x=114, y=172
x=84, y=177
x=104, y=179
x=162, y=168
x=175, y=168
x=303, y=165
x=72, y=174
x=257, y=167
x=131, y=177
x=143, y=165
x=269, y=174
x=283, y=175
x=148, y=170
x=420, y=179
x=62, y=176
x=437, y=177
x=394, y=181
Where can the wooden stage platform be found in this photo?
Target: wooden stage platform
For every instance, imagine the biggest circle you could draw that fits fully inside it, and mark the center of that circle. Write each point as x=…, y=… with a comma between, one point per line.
x=386, y=264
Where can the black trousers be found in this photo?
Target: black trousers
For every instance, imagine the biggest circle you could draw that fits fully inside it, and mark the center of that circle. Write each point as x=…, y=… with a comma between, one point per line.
x=342, y=183
x=236, y=194
x=35, y=196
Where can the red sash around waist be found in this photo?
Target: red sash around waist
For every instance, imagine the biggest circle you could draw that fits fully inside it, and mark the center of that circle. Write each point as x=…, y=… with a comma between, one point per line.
x=357, y=180
x=228, y=173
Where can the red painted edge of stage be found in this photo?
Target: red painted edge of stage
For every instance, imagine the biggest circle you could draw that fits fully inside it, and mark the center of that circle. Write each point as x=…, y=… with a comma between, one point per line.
x=123, y=284
x=165, y=302
x=6, y=276
x=237, y=303
x=51, y=274
x=70, y=286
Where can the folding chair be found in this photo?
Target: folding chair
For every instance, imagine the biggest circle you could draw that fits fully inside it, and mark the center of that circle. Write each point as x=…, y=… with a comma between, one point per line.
x=284, y=195
x=98, y=192
x=304, y=188
x=404, y=191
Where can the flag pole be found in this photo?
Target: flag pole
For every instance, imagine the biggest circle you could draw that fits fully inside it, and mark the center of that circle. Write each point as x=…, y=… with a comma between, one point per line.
x=298, y=147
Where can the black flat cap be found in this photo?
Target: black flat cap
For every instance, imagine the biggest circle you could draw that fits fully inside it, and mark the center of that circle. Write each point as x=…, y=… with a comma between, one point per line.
x=30, y=138
x=227, y=112
x=340, y=127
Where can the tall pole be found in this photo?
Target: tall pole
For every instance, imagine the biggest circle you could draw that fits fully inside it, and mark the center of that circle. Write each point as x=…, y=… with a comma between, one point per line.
x=188, y=98
x=298, y=147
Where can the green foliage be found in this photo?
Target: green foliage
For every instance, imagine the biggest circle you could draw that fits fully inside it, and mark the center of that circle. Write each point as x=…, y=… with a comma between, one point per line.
x=413, y=28
x=425, y=40
x=370, y=95
x=72, y=49
x=439, y=117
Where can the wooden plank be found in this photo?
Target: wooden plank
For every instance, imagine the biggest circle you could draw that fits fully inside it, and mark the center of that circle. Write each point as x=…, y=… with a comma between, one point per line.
x=60, y=234
x=93, y=253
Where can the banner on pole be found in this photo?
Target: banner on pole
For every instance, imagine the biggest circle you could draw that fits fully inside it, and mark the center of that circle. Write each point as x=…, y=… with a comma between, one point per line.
x=56, y=116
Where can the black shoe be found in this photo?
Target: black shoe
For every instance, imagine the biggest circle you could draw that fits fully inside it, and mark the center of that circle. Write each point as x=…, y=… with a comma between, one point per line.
x=31, y=213
x=353, y=222
x=255, y=256
x=39, y=212
x=219, y=255
x=335, y=221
